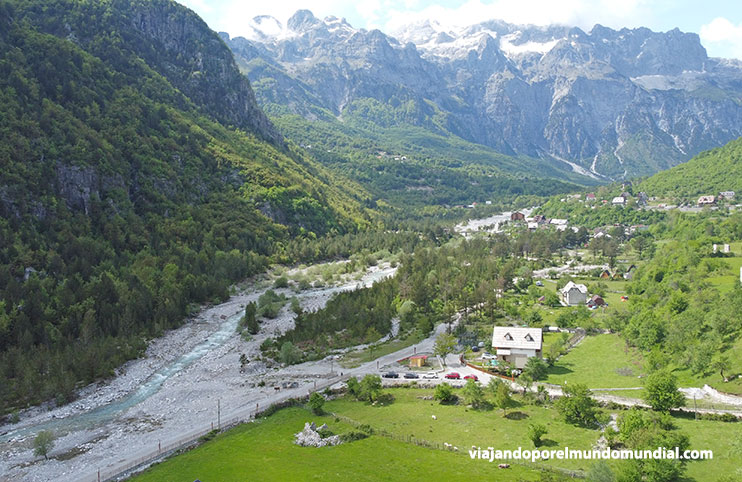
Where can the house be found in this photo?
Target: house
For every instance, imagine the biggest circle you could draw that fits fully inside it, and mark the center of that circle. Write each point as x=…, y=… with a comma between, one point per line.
x=532, y=226
x=642, y=198
x=590, y=197
x=629, y=274
x=574, y=294
x=605, y=274
x=517, y=216
x=707, y=200
x=516, y=345
x=619, y=201
x=539, y=218
x=418, y=360
x=726, y=195
x=558, y=222
x=596, y=300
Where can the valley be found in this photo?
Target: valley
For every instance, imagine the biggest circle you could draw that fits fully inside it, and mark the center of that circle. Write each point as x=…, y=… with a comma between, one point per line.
x=416, y=242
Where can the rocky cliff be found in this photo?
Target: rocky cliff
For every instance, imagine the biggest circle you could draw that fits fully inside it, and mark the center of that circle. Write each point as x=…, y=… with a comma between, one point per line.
x=610, y=103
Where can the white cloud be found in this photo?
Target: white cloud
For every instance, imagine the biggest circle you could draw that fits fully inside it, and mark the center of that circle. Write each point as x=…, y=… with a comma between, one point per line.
x=723, y=36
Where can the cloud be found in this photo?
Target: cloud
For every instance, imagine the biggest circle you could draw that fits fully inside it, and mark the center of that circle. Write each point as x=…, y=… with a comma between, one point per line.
x=723, y=36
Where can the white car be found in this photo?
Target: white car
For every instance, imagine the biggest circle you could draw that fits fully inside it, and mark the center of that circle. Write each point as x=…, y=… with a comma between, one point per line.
x=430, y=376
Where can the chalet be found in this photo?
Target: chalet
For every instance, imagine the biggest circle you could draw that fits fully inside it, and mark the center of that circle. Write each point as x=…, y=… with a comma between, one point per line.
x=517, y=216
x=589, y=197
x=516, y=345
x=558, y=222
x=596, y=300
x=619, y=201
x=574, y=294
x=629, y=274
x=605, y=274
x=707, y=200
x=539, y=218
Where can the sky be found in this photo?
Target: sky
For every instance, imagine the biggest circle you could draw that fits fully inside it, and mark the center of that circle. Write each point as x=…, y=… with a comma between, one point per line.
x=718, y=22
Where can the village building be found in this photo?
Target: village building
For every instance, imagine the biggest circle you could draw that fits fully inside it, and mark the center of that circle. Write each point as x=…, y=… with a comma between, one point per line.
x=596, y=300
x=517, y=216
x=590, y=197
x=418, y=361
x=726, y=195
x=516, y=345
x=707, y=200
x=619, y=201
x=574, y=294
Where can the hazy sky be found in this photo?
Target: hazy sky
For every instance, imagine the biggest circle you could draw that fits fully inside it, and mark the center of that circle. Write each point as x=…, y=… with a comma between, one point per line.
x=718, y=22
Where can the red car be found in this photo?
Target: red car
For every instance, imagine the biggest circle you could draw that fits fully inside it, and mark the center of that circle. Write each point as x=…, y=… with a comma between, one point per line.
x=471, y=377
x=453, y=376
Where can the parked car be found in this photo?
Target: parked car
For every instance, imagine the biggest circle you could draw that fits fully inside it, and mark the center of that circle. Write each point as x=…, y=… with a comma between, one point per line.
x=453, y=376
x=471, y=377
x=411, y=375
x=390, y=375
x=430, y=376
x=475, y=348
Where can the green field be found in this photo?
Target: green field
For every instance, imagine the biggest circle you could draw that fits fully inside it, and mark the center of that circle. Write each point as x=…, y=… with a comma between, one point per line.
x=598, y=362
x=264, y=451
x=464, y=427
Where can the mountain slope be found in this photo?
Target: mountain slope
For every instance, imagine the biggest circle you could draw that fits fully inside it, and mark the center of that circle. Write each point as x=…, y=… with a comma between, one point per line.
x=612, y=103
x=135, y=180
x=709, y=173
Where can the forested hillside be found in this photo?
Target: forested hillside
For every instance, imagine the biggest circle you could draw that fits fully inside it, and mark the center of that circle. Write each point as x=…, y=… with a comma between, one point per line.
x=711, y=172
x=138, y=178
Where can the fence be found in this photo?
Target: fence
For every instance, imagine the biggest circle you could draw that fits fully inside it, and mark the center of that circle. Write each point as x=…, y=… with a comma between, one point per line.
x=123, y=468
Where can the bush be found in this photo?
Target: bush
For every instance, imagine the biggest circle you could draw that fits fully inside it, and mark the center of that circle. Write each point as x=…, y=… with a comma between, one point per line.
x=444, y=394
x=281, y=282
x=535, y=432
x=316, y=403
x=353, y=436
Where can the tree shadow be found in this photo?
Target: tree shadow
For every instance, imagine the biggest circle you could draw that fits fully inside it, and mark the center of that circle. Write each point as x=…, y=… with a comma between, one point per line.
x=559, y=370
x=547, y=442
x=516, y=416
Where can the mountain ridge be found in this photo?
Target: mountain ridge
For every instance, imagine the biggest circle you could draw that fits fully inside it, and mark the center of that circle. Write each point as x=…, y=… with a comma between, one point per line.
x=616, y=103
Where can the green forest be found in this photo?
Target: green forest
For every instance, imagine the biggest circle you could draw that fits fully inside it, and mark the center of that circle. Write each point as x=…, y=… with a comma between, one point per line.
x=124, y=201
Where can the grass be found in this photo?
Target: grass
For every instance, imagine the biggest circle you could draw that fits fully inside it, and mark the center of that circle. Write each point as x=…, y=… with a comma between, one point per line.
x=596, y=362
x=716, y=436
x=265, y=451
x=464, y=427
x=357, y=358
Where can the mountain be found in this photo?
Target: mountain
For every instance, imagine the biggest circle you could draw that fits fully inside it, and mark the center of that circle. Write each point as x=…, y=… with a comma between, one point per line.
x=709, y=173
x=605, y=103
x=138, y=179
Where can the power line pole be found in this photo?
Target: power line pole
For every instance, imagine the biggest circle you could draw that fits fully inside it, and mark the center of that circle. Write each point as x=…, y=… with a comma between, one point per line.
x=219, y=413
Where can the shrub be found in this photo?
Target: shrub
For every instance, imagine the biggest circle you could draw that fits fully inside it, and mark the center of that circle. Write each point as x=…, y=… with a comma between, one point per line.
x=316, y=403
x=353, y=436
x=444, y=394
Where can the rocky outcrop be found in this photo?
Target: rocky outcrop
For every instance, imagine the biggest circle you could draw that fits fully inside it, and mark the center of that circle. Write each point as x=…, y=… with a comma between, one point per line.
x=617, y=103
x=310, y=437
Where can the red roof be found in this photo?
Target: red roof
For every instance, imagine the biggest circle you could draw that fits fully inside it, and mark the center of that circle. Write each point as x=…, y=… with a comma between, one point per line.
x=417, y=357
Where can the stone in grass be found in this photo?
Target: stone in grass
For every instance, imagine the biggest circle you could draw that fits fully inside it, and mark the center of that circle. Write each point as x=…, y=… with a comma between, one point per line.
x=310, y=437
